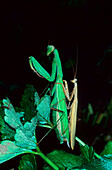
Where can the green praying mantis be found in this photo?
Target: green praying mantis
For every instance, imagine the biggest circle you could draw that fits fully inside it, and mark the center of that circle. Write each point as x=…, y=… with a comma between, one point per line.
x=65, y=123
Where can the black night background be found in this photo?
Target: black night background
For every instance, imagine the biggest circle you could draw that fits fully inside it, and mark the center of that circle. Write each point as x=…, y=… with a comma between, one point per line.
x=27, y=27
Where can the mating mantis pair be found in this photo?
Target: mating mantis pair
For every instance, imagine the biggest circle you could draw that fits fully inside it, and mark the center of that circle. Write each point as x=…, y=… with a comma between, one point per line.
x=65, y=123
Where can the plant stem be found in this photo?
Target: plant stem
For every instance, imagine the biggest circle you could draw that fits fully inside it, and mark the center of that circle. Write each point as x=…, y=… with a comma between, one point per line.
x=45, y=158
x=48, y=161
x=98, y=156
x=83, y=144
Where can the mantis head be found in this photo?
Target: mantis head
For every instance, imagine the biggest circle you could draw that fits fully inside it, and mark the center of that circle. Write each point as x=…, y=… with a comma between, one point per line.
x=74, y=80
x=50, y=49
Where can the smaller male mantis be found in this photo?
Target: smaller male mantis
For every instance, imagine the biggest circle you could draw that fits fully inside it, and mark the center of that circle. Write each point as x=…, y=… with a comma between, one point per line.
x=73, y=110
x=59, y=92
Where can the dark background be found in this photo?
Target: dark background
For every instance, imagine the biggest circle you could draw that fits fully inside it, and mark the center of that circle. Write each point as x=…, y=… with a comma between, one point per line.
x=27, y=27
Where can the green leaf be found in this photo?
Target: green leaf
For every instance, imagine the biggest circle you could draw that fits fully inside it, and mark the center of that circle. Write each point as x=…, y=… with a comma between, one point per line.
x=64, y=160
x=69, y=161
x=8, y=150
x=12, y=117
x=87, y=151
x=7, y=132
x=107, y=149
x=36, y=98
x=28, y=161
x=43, y=109
x=25, y=135
x=27, y=103
x=105, y=163
x=25, y=139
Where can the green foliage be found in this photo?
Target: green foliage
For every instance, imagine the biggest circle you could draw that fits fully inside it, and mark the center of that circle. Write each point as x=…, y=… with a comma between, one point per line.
x=11, y=116
x=18, y=127
x=89, y=111
x=19, y=138
x=64, y=160
x=7, y=133
x=9, y=149
x=28, y=161
x=70, y=161
x=27, y=102
x=25, y=139
x=104, y=164
x=25, y=135
x=31, y=104
x=43, y=108
x=98, y=117
x=87, y=152
x=108, y=149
